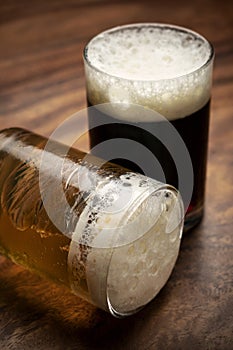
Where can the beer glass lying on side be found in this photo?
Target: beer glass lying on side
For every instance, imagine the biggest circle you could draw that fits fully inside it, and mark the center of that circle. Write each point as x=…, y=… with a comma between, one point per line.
x=110, y=235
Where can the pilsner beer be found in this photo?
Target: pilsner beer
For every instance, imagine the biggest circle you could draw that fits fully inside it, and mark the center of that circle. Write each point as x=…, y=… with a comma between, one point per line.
x=108, y=234
x=167, y=69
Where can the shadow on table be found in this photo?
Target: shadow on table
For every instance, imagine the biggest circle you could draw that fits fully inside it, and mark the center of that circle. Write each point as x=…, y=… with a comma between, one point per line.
x=37, y=314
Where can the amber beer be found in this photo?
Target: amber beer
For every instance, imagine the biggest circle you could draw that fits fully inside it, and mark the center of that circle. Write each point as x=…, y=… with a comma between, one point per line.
x=167, y=69
x=102, y=231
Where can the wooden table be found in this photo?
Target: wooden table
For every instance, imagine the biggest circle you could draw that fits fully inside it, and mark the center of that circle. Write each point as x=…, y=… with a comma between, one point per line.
x=42, y=83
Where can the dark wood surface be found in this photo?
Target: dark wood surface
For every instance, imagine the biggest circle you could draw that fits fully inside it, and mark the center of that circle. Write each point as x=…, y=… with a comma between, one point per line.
x=41, y=84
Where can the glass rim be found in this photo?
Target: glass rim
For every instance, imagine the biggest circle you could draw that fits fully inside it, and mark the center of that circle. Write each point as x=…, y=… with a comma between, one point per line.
x=155, y=25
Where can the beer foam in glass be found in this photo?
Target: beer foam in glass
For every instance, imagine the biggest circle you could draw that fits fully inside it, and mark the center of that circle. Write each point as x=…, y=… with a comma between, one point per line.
x=110, y=235
x=167, y=69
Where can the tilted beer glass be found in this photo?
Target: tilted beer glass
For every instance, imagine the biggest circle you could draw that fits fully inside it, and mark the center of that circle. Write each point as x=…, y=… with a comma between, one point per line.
x=110, y=235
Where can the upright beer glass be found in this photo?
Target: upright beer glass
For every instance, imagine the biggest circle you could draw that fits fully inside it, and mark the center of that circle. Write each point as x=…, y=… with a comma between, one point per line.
x=161, y=67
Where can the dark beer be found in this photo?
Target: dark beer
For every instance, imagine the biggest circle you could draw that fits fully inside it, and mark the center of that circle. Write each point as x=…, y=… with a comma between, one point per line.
x=166, y=69
x=193, y=130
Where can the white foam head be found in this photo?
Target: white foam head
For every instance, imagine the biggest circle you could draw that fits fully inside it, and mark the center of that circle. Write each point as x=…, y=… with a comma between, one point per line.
x=131, y=243
x=166, y=68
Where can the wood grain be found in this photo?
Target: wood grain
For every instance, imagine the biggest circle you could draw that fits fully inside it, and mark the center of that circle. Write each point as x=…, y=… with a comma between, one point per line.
x=41, y=84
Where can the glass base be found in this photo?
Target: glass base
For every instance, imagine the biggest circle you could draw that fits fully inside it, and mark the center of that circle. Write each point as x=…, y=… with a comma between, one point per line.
x=193, y=219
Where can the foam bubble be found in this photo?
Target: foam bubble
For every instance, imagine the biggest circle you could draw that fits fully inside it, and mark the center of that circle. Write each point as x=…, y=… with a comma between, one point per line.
x=158, y=66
